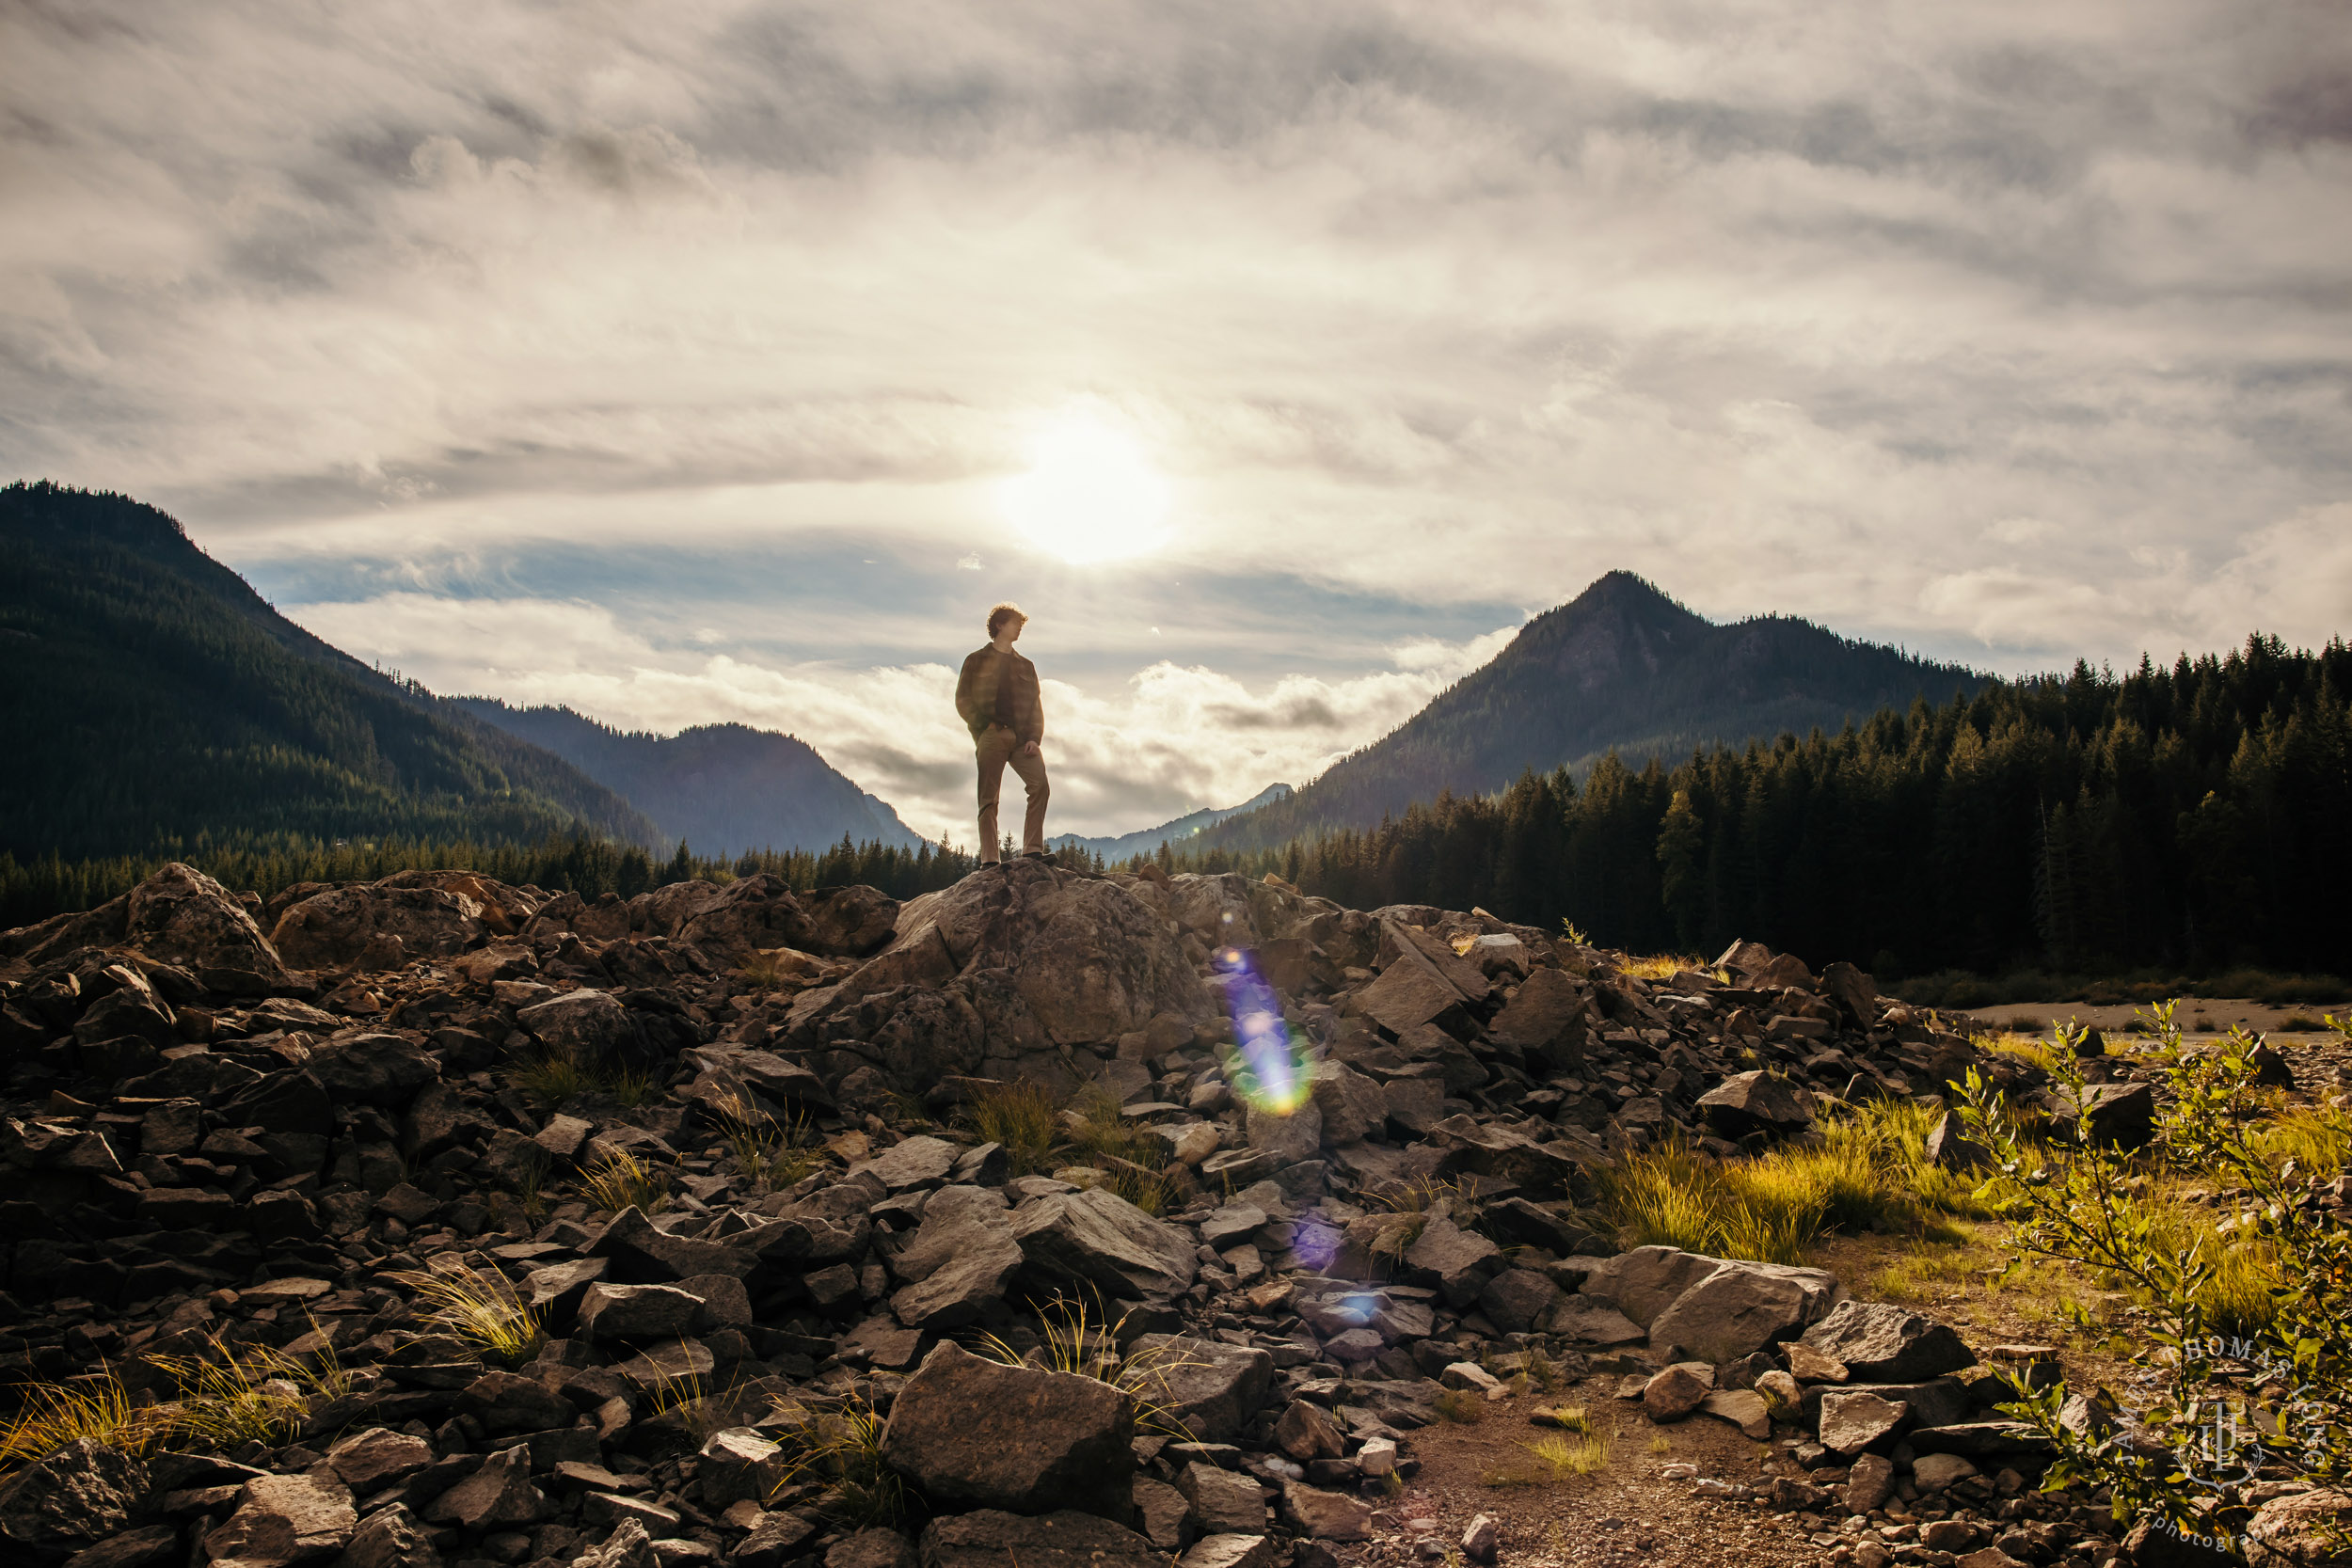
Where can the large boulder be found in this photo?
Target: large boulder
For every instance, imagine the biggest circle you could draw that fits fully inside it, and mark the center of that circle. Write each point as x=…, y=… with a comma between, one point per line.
x=1882, y=1342
x=1742, y=1307
x=282, y=1520
x=380, y=1069
x=976, y=1434
x=70, y=1498
x=1089, y=959
x=181, y=915
x=2304, y=1530
x=1644, y=1282
x=990, y=1538
x=750, y=913
x=1093, y=1241
x=376, y=926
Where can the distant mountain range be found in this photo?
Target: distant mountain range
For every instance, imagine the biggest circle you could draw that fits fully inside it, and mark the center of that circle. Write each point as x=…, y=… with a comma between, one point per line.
x=150, y=696
x=1620, y=668
x=1176, y=834
x=724, y=788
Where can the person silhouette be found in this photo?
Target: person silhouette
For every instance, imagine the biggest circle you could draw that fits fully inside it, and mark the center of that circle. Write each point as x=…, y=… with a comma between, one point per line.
x=998, y=700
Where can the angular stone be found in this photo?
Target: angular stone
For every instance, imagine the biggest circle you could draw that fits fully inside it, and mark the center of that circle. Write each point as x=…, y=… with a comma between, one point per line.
x=961, y=1259
x=736, y=1464
x=73, y=1497
x=1230, y=1551
x=562, y=1136
x=1222, y=1501
x=1949, y=1148
x=872, y=1548
x=1672, y=1394
x=1409, y=993
x=1414, y=1104
x=498, y=1496
x=182, y=916
x=1097, y=1242
x=1457, y=1261
x=1546, y=1019
x=666, y=1365
x=1644, y=1282
x=1516, y=1300
x=993, y=1539
x=1162, y=1514
x=1482, y=1538
x=1286, y=1137
x=1869, y=1483
x=635, y=1313
x=507, y=1402
x=646, y=1254
x=384, y=1070
x=627, y=1546
x=1325, y=1515
x=1306, y=1433
x=1589, y=1320
x=391, y=1538
x=1210, y=1387
x=1881, y=1342
x=155, y=1547
x=1742, y=1307
x=2304, y=1530
x=1351, y=1105
x=1048, y=1439
x=1808, y=1365
x=774, y=1541
x=1933, y=1472
x=371, y=1460
x=910, y=1162
x=285, y=1519
x=1742, y=1407
x=1756, y=1103
x=1851, y=1422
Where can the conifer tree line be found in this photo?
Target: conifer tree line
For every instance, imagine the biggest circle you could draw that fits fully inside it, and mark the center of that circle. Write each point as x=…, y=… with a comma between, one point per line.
x=2198, y=816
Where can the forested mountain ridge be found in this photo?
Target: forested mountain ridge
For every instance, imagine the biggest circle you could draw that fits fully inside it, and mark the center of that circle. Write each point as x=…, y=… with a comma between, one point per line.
x=150, y=696
x=724, y=788
x=1177, y=834
x=1621, y=668
x=2195, y=816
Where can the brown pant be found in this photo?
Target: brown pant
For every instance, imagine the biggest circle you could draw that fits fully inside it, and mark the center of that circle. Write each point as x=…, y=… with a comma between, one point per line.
x=996, y=747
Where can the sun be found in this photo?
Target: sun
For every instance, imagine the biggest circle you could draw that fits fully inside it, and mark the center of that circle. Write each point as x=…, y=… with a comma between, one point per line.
x=1089, y=495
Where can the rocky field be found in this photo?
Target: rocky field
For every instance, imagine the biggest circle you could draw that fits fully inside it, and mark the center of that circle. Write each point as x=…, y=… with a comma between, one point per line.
x=1051, y=1220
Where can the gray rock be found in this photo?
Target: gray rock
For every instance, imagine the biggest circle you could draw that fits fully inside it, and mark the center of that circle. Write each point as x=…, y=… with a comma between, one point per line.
x=384, y=1070
x=1482, y=1538
x=1048, y=1440
x=993, y=1539
x=736, y=1464
x=497, y=1497
x=645, y=1254
x=1411, y=992
x=1094, y=1241
x=70, y=1498
x=1933, y=1472
x=1352, y=1106
x=1546, y=1019
x=371, y=1460
x=775, y=1540
x=586, y=1025
x=1756, y=1103
x=506, y=1402
x=376, y=924
x=2121, y=1114
x=1286, y=1137
x=1325, y=1515
x=285, y=1519
x=1516, y=1300
x=1162, y=1514
x=1850, y=1422
x=1672, y=1394
x=635, y=1313
x=872, y=1548
x=1457, y=1261
x=1881, y=1342
x=1211, y=1388
x=910, y=1162
x=1868, y=1483
x=1591, y=1321
x=627, y=1546
x=1414, y=1104
x=182, y=916
x=1222, y=1501
x=1306, y=1433
x=1644, y=1282
x=2304, y=1530
x=391, y=1538
x=1742, y=1307
x=1949, y=1148
x=152, y=1547
x=1232, y=1551
x=1742, y=1407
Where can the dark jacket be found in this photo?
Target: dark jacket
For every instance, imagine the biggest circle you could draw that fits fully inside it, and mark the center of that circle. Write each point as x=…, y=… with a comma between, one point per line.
x=1000, y=688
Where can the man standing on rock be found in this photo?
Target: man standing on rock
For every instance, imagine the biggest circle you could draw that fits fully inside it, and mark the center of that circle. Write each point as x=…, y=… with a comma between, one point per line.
x=997, y=698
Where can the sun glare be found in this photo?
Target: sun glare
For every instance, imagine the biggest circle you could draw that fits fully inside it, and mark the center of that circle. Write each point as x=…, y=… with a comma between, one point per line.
x=1088, y=496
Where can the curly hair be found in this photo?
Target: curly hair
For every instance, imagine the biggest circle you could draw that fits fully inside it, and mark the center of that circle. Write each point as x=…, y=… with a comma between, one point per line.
x=1003, y=612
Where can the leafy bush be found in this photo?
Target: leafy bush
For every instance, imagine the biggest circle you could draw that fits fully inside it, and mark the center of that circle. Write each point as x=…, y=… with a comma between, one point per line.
x=2221, y=1401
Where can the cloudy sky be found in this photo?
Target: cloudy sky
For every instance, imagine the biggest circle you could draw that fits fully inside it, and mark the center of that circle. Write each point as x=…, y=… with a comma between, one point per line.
x=726, y=360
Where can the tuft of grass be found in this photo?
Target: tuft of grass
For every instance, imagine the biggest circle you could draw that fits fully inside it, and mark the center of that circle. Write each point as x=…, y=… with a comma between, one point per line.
x=1545, y=1372
x=482, y=1308
x=2317, y=1141
x=229, y=1398
x=843, y=1449
x=1660, y=1444
x=1462, y=1406
x=1567, y=1457
x=1085, y=1342
x=1866, y=1169
x=560, y=1074
x=96, y=1406
x=1023, y=1118
x=779, y=1152
x=622, y=1180
x=1663, y=966
x=1409, y=1206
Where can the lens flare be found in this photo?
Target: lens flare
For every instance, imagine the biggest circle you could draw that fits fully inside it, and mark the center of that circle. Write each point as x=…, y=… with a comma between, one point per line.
x=1271, y=1078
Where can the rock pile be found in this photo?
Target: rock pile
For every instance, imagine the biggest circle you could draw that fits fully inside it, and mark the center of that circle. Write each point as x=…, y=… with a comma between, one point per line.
x=238, y=1127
